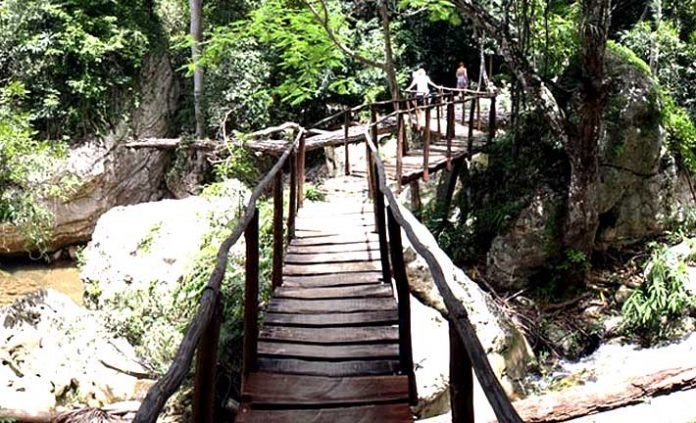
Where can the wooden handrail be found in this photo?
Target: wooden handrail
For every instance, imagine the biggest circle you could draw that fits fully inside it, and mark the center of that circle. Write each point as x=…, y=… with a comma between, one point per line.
x=160, y=392
x=426, y=246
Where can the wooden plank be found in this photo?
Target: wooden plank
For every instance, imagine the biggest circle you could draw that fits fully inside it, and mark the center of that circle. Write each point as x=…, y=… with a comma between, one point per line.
x=319, y=269
x=353, y=291
x=304, y=238
x=297, y=390
x=385, y=413
x=368, y=318
x=329, y=352
x=336, y=279
x=328, y=368
x=336, y=257
x=331, y=335
x=333, y=248
x=347, y=305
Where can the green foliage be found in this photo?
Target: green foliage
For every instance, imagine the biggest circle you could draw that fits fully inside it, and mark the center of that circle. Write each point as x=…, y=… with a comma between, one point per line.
x=681, y=132
x=25, y=164
x=76, y=59
x=661, y=299
x=145, y=244
x=627, y=55
x=312, y=193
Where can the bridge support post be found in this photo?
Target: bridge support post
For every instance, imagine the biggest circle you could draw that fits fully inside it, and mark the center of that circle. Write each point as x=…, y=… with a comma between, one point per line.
x=461, y=380
x=404, y=304
x=470, y=138
x=451, y=129
x=301, y=158
x=381, y=225
x=277, y=277
x=426, y=145
x=251, y=298
x=292, y=200
x=438, y=112
x=491, y=121
x=203, y=407
x=399, y=147
x=346, y=126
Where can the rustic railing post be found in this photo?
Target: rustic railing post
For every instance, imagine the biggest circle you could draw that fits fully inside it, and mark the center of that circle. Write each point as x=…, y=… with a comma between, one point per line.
x=451, y=129
x=399, y=147
x=346, y=127
x=203, y=407
x=438, y=112
x=426, y=144
x=292, y=200
x=404, y=303
x=381, y=225
x=491, y=120
x=478, y=113
x=368, y=155
x=301, y=159
x=277, y=276
x=463, y=97
x=251, y=297
x=461, y=380
x=470, y=138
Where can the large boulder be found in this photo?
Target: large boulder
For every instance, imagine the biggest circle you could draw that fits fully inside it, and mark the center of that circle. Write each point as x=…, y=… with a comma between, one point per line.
x=641, y=190
x=104, y=175
x=55, y=353
x=146, y=264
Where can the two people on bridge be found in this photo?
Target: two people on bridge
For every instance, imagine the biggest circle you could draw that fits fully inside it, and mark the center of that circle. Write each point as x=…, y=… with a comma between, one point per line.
x=421, y=81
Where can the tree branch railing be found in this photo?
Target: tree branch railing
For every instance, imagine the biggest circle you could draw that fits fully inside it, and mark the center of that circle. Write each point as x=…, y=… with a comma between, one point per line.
x=203, y=331
x=465, y=347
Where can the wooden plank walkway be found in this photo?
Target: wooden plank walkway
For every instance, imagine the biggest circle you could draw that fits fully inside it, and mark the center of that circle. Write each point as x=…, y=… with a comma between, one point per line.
x=329, y=348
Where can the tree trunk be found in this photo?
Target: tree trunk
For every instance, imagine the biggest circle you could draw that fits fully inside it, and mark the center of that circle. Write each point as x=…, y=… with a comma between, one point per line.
x=582, y=146
x=196, y=35
x=389, y=66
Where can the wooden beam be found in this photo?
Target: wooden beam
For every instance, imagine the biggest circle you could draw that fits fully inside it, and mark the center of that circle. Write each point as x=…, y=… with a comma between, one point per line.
x=491, y=121
x=426, y=145
x=346, y=127
x=461, y=380
x=404, y=304
x=301, y=162
x=277, y=276
x=203, y=406
x=292, y=200
x=251, y=299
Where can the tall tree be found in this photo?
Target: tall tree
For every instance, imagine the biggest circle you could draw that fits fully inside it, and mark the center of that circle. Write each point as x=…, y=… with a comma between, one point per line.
x=320, y=10
x=580, y=135
x=196, y=35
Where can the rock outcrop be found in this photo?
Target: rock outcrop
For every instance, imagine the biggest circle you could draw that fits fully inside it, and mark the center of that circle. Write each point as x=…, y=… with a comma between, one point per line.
x=146, y=263
x=104, y=175
x=54, y=353
x=101, y=174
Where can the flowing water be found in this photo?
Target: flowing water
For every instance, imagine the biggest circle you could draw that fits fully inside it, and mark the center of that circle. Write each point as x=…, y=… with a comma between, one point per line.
x=18, y=278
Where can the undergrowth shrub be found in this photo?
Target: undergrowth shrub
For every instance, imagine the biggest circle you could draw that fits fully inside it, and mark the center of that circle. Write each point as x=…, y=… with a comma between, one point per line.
x=654, y=307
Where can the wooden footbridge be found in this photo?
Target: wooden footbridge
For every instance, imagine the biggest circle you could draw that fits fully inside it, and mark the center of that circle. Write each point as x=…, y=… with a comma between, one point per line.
x=336, y=342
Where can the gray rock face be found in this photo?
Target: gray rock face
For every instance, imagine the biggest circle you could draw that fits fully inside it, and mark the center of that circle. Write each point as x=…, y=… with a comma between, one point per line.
x=515, y=255
x=102, y=174
x=106, y=176
x=53, y=353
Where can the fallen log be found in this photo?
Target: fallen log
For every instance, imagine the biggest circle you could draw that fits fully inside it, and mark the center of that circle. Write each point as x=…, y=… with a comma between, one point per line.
x=170, y=144
x=589, y=399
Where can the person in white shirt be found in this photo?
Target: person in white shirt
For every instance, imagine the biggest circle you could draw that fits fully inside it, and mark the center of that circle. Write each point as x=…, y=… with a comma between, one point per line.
x=421, y=81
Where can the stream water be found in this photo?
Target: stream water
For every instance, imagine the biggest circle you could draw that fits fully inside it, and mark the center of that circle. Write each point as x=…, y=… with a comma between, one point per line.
x=18, y=278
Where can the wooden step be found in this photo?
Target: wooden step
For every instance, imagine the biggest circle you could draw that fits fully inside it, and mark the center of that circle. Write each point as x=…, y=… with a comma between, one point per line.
x=319, y=292
x=331, y=335
x=328, y=368
x=297, y=390
x=345, y=305
x=370, y=318
x=321, y=269
x=396, y=413
x=337, y=279
x=336, y=257
x=334, y=248
x=358, y=237
x=329, y=352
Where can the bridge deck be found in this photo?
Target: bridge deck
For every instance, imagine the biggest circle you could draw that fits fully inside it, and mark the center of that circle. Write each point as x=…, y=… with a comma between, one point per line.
x=329, y=349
